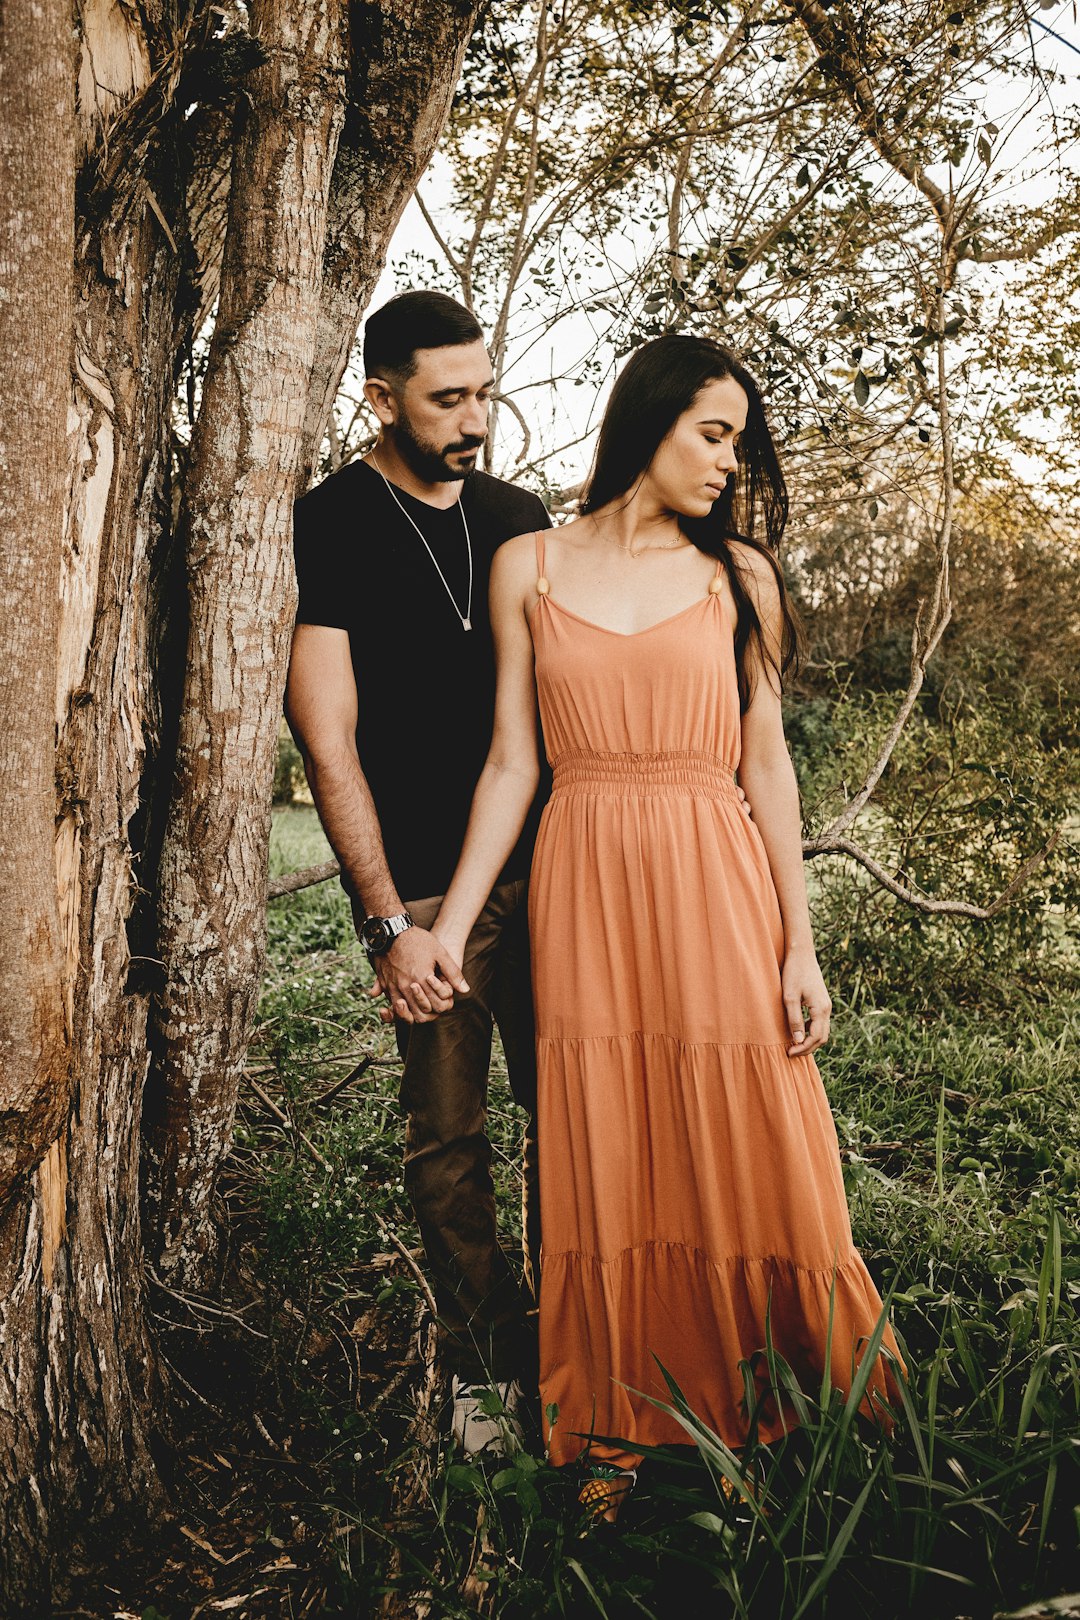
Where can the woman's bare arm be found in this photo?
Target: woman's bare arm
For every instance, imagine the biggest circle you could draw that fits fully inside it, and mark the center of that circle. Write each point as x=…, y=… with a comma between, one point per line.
x=766, y=773
x=508, y=782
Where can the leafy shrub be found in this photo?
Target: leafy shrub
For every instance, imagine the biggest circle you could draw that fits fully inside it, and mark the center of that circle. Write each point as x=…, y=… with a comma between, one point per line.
x=981, y=780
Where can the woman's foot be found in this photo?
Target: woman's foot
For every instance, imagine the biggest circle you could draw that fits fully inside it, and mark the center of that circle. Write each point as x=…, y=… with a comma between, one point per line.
x=604, y=1492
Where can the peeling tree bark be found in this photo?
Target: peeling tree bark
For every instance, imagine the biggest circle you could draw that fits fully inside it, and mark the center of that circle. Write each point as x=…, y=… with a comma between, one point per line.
x=77, y=1379
x=237, y=529
x=37, y=243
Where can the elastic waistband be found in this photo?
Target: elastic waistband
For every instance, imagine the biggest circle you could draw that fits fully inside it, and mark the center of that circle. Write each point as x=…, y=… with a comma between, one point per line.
x=684, y=772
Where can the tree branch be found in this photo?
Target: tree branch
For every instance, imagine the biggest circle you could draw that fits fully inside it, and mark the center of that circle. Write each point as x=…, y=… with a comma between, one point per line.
x=839, y=63
x=303, y=878
x=702, y=107
x=923, y=645
x=827, y=844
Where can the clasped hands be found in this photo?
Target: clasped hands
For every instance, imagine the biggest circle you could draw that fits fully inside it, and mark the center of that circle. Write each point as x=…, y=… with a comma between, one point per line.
x=419, y=978
x=419, y=975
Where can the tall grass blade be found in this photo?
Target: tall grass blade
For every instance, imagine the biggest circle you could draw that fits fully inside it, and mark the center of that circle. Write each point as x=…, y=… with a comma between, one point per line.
x=717, y=1456
x=572, y=1563
x=976, y=1381
x=843, y=1536
x=1050, y=1277
x=780, y=1373
x=927, y=1569
x=914, y=1427
x=1047, y=1504
x=826, y=1371
x=932, y=1384
x=1031, y=1395
x=871, y=1360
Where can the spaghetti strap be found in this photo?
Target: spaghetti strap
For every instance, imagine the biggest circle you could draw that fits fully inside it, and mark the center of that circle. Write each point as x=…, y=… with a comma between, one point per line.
x=542, y=586
x=716, y=584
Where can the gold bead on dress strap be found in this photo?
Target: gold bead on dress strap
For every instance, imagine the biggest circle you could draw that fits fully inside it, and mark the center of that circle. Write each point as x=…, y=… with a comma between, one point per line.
x=542, y=586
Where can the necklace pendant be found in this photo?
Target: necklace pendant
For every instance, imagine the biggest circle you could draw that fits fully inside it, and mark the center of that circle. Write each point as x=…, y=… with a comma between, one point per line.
x=466, y=624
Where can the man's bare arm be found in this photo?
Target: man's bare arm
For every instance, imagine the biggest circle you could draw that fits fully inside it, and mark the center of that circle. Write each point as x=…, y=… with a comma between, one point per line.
x=321, y=708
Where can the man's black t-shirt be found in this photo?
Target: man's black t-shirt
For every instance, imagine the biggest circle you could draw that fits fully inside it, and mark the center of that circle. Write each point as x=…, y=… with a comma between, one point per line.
x=425, y=686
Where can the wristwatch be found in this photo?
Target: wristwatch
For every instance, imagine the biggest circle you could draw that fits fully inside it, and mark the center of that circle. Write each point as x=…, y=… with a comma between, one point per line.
x=377, y=934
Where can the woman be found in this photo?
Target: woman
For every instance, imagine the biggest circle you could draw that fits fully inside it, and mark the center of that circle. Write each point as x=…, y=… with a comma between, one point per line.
x=690, y=1178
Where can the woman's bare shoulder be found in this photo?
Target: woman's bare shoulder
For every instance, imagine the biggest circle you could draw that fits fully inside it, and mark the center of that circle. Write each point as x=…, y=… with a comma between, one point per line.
x=518, y=553
x=575, y=532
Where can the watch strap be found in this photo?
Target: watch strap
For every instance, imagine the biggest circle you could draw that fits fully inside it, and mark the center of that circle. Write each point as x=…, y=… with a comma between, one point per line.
x=379, y=933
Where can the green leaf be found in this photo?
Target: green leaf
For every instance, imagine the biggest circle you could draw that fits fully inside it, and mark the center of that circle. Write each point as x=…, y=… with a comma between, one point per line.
x=709, y=1521
x=862, y=387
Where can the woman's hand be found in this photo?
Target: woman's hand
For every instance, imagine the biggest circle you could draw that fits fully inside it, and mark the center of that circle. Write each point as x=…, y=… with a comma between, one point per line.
x=419, y=977
x=804, y=987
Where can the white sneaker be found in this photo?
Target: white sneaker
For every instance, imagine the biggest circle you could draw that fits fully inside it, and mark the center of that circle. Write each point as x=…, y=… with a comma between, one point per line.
x=486, y=1421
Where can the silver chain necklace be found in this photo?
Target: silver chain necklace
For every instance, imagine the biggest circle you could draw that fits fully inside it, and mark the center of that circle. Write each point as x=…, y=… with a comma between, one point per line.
x=466, y=617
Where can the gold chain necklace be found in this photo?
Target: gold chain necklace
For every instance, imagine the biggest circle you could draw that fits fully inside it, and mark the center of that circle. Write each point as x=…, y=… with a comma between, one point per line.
x=466, y=617
x=667, y=545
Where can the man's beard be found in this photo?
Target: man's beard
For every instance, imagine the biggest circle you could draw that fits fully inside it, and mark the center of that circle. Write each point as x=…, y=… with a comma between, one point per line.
x=429, y=464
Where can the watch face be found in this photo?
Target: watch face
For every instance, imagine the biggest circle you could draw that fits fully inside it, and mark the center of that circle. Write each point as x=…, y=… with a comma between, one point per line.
x=376, y=936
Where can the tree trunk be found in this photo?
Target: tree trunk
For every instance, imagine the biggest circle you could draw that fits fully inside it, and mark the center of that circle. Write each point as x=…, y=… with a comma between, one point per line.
x=77, y=1375
x=37, y=244
x=405, y=59
x=237, y=529
x=404, y=64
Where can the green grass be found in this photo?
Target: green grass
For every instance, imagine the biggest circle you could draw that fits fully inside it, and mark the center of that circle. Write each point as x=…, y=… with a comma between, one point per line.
x=961, y=1146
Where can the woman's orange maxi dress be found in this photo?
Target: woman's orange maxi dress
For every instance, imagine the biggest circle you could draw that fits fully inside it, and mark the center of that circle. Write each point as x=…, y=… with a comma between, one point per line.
x=690, y=1174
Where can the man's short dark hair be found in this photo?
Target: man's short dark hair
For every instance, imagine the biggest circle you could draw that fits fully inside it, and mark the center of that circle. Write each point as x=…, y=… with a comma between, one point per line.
x=412, y=321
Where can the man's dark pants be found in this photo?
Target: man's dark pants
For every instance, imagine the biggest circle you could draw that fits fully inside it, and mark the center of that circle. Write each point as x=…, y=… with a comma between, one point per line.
x=484, y=1332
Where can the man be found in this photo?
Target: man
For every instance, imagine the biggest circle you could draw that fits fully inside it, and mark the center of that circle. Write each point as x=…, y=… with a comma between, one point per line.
x=391, y=699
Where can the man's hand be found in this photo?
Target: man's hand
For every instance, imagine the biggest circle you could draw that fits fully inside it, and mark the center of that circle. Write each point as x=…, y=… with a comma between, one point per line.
x=419, y=978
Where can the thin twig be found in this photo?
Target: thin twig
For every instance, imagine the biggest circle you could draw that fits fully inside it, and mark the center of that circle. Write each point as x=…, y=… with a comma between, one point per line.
x=203, y=1306
x=526, y=435
x=923, y=643
x=339, y=1085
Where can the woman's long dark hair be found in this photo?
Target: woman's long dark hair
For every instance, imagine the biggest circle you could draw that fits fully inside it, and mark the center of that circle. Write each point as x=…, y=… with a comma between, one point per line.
x=659, y=382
